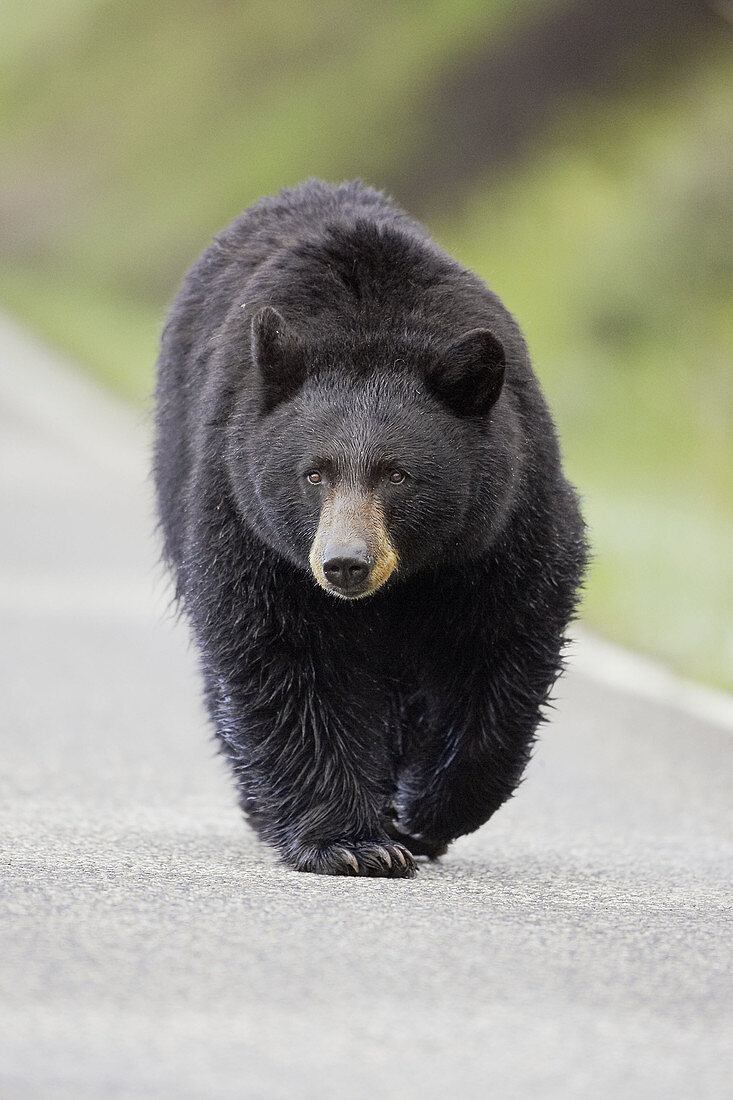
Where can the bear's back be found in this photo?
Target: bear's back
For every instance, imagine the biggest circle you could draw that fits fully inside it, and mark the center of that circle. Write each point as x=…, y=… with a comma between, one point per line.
x=217, y=282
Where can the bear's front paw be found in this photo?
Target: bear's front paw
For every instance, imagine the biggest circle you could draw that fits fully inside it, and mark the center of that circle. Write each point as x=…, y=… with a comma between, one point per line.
x=367, y=858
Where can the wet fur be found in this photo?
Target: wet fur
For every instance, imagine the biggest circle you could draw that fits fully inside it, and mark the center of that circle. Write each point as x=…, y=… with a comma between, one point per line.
x=400, y=721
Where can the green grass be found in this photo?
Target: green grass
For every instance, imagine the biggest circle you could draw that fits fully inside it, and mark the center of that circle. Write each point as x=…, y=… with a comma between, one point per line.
x=157, y=123
x=613, y=248
x=134, y=131
x=116, y=338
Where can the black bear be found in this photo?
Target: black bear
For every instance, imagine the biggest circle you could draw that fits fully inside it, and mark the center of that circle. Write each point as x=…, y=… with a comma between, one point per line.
x=362, y=502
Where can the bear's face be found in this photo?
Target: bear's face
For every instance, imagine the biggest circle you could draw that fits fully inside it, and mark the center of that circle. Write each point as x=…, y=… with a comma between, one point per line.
x=356, y=476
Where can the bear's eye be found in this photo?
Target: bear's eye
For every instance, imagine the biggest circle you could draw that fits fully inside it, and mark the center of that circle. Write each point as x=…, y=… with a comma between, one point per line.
x=314, y=477
x=396, y=477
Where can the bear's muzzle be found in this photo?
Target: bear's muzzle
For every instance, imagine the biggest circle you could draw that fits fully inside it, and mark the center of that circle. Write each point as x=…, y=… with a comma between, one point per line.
x=352, y=555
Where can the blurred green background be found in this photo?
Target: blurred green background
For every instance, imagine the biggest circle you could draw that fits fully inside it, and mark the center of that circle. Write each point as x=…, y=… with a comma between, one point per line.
x=576, y=155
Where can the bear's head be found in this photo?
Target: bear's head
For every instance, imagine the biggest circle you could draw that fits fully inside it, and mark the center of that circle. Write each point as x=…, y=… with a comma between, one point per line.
x=364, y=458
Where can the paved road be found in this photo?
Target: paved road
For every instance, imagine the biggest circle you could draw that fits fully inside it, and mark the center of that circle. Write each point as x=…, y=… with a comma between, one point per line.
x=578, y=946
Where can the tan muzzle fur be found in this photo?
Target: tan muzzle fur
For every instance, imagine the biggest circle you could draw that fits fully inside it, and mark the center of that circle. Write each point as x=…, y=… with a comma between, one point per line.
x=348, y=516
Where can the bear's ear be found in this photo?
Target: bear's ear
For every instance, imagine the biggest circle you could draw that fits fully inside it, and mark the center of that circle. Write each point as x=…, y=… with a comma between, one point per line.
x=469, y=373
x=278, y=357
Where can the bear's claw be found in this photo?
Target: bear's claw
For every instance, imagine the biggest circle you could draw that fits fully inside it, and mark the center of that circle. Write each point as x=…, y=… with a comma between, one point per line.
x=385, y=856
x=351, y=859
x=364, y=858
x=399, y=853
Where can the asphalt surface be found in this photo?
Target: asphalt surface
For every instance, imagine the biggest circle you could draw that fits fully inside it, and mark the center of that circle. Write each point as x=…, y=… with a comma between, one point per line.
x=577, y=946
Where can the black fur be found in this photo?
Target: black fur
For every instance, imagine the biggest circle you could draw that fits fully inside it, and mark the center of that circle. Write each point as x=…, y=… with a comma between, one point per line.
x=360, y=731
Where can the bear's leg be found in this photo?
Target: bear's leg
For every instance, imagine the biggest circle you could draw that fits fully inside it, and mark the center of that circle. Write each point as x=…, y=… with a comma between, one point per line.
x=470, y=758
x=311, y=772
x=458, y=781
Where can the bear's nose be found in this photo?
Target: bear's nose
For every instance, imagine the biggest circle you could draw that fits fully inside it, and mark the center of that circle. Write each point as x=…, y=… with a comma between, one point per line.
x=346, y=564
